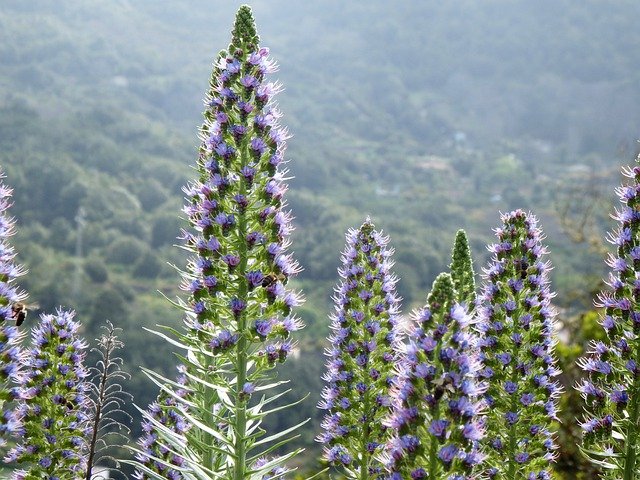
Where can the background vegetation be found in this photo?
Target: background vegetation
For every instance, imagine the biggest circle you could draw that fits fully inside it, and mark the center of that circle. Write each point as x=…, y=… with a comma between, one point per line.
x=430, y=116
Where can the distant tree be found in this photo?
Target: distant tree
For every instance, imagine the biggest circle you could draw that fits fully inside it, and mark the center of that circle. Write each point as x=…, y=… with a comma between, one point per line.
x=126, y=251
x=96, y=270
x=148, y=266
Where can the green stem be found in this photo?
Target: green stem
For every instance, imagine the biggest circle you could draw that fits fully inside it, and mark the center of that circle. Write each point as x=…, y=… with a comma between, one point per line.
x=364, y=460
x=511, y=474
x=241, y=413
x=511, y=452
x=240, y=446
x=366, y=427
x=209, y=402
x=433, y=449
x=512, y=466
x=435, y=415
x=632, y=432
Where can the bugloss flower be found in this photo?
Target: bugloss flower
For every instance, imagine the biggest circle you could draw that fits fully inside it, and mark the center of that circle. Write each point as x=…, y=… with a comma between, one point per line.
x=612, y=388
x=52, y=402
x=10, y=299
x=517, y=321
x=360, y=369
x=438, y=410
x=239, y=312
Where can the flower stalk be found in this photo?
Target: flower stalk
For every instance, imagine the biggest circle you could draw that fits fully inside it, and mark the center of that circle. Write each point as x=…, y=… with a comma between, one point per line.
x=11, y=298
x=611, y=390
x=53, y=405
x=438, y=413
x=238, y=314
x=360, y=369
x=461, y=269
x=517, y=322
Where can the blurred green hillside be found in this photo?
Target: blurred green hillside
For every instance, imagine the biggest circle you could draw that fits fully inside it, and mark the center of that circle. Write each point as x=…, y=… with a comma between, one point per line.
x=429, y=116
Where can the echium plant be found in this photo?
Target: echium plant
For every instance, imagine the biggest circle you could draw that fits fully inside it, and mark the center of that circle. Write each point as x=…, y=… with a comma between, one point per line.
x=360, y=368
x=462, y=273
x=239, y=312
x=157, y=456
x=438, y=409
x=612, y=388
x=53, y=403
x=10, y=299
x=517, y=321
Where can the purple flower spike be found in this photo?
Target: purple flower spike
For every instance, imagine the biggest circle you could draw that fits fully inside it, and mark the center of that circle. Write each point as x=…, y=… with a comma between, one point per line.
x=438, y=390
x=58, y=388
x=611, y=391
x=239, y=311
x=359, y=370
x=517, y=320
x=12, y=315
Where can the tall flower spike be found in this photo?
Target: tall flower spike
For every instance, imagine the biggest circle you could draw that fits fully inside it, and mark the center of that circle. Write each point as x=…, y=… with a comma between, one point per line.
x=612, y=388
x=239, y=312
x=517, y=320
x=462, y=272
x=10, y=300
x=360, y=369
x=53, y=403
x=438, y=414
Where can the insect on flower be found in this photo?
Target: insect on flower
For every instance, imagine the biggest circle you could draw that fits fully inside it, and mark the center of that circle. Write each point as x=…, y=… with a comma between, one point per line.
x=272, y=278
x=19, y=312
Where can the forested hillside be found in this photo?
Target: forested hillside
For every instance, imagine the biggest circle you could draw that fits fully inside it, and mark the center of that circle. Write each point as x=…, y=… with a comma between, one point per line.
x=429, y=116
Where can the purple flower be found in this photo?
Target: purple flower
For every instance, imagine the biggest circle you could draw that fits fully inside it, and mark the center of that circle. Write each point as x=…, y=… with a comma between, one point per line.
x=609, y=389
x=239, y=309
x=168, y=411
x=473, y=431
x=438, y=428
x=263, y=327
x=232, y=261
x=442, y=389
x=237, y=306
x=249, y=82
x=448, y=453
x=258, y=145
x=12, y=313
x=515, y=309
x=359, y=396
x=254, y=278
x=57, y=387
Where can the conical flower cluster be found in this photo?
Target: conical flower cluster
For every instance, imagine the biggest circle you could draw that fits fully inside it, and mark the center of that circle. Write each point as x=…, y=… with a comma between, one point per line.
x=437, y=417
x=10, y=300
x=239, y=314
x=517, y=321
x=462, y=273
x=612, y=387
x=237, y=278
x=53, y=403
x=360, y=369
